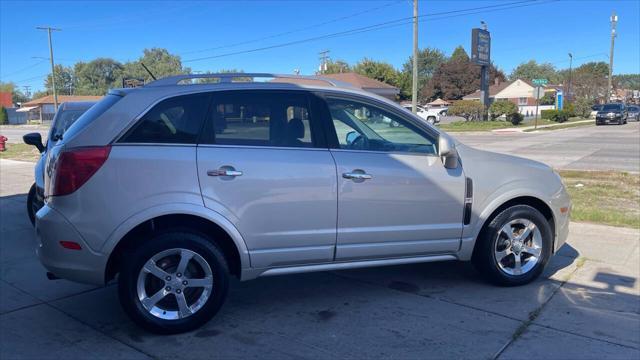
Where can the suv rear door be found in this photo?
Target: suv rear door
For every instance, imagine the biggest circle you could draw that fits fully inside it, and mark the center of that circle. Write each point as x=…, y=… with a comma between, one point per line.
x=263, y=162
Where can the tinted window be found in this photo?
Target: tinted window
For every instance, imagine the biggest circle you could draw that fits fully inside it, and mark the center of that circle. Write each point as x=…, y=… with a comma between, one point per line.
x=612, y=107
x=177, y=120
x=362, y=126
x=63, y=120
x=260, y=119
x=93, y=113
x=633, y=108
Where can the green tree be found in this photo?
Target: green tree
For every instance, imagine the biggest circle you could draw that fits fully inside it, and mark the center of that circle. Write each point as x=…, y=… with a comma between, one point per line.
x=532, y=70
x=18, y=96
x=97, y=76
x=159, y=61
x=429, y=60
x=64, y=78
x=378, y=70
x=589, y=80
x=4, y=118
x=457, y=77
x=7, y=86
x=470, y=110
x=627, y=81
x=582, y=107
x=459, y=54
x=502, y=107
x=336, y=67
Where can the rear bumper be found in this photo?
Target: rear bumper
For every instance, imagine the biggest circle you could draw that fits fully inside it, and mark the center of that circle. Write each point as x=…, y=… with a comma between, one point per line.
x=83, y=265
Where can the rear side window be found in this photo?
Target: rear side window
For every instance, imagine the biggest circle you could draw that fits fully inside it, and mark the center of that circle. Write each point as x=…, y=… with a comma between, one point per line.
x=93, y=113
x=260, y=119
x=177, y=120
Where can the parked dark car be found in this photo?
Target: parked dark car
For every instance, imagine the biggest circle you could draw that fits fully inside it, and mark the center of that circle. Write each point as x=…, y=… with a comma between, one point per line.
x=614, y=113
x=66, y=115
x=633, y=112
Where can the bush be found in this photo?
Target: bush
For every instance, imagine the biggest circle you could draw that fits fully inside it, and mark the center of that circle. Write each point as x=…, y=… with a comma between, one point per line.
x=515, y=118
x=547, y=114
x=470, y=110
x=4, y=118
x=555, y=115
x=569, y=109
x=583, y=107
x=502, y=107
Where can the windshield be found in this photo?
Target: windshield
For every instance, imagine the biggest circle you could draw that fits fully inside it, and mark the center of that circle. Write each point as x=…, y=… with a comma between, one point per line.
x=611, y=107
x=64, y=119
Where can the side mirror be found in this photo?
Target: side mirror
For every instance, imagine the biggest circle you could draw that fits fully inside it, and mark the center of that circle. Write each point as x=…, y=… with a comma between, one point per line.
x=351, y=137
x=34, y=139
x=447, y=152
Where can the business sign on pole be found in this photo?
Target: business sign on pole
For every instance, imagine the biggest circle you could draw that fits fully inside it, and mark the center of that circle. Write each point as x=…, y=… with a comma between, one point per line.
x=480, y=46
x=559, y=100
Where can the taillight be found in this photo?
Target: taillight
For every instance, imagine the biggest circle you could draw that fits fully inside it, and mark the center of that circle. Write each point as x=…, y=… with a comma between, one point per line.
x=74, y=167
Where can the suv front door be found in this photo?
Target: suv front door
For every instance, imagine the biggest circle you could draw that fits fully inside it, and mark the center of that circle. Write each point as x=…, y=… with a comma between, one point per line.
x=395, y=197
x=264, y=164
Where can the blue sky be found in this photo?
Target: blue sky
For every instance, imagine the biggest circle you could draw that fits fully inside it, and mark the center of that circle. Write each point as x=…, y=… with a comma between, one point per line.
x=545, y=31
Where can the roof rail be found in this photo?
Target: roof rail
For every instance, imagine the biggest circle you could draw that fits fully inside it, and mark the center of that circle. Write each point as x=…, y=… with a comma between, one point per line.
x=229, y=77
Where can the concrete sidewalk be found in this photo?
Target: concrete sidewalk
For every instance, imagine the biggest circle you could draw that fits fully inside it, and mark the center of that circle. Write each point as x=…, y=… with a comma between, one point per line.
x=587, y=305
x=529, y=128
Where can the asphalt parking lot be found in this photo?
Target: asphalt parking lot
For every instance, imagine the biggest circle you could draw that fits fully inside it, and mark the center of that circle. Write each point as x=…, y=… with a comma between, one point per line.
x=587, y=304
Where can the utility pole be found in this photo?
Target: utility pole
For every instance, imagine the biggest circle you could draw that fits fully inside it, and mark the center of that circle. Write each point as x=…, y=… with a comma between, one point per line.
x=614, y=20
x=53, y=75
x=27, y=90
x=569, y=87
x=324, y=59
x=414, y=81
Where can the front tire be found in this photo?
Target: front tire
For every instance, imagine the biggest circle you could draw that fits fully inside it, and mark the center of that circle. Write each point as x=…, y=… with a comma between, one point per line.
x=514, y=247
x=174, y=282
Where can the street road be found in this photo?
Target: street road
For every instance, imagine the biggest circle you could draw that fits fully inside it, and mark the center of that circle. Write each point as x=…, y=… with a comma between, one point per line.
x=610, y=147
x=585, y=306
x=15, y=133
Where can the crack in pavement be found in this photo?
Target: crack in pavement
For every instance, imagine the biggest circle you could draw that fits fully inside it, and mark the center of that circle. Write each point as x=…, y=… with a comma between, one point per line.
x=536, y=312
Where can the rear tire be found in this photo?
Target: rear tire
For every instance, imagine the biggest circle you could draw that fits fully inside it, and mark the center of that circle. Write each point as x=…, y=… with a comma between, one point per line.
x=515, y=260
x=163, y=295
x=32, y=204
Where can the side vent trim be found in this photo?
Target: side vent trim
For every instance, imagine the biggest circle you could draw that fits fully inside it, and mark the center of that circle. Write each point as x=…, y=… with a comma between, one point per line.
x=468, y=201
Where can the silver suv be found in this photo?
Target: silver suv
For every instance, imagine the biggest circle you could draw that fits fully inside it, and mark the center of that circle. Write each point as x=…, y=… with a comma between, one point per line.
x=180, y=184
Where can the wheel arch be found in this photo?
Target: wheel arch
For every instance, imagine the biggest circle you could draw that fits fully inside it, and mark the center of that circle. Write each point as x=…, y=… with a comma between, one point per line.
x=210, y=223
x=533, y=201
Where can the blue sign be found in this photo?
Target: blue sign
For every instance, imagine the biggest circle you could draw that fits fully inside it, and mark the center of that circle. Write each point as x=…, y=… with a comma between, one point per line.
x=559, y=100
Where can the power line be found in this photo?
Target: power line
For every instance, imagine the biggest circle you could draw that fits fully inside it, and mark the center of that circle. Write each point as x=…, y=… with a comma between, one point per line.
x=25, y=68
x=32, y=78
x=345, y=17
x=379, y=26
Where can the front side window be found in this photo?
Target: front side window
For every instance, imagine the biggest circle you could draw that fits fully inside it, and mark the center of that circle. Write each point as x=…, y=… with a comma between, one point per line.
x=362, y=126
x=522, y=101
x=177, y=120
x=252, y=119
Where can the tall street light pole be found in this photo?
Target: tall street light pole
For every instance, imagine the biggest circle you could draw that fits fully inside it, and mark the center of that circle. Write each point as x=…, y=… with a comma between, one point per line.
x=53, y=76
x=569, y=87
x=614, y=20
x=414, y=82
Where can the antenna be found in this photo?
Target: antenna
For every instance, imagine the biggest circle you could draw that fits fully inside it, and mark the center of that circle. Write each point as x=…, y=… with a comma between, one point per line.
x=150, y=74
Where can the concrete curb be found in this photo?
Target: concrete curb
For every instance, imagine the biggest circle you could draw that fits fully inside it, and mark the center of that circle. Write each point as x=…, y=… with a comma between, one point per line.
x=524, y=129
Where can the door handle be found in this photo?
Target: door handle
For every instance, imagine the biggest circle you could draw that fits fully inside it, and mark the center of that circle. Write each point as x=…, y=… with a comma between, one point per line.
x=357, y=176
x=224, y=172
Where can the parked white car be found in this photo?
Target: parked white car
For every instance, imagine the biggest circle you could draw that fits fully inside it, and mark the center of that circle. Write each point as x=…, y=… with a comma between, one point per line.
x=432, y=115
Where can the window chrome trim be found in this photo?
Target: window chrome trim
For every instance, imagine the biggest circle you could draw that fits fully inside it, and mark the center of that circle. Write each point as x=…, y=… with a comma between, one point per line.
x=261, y=147
x=385, y=152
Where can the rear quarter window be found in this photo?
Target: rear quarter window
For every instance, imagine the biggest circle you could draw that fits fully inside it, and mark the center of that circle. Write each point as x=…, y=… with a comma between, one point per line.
x=93, y=113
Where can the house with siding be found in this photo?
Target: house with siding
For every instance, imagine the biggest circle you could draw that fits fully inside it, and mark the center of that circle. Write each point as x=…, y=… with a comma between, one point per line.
x=519, y=92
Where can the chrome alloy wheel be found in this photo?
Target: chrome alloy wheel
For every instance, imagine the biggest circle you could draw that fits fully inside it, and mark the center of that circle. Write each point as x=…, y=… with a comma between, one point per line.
x=175, y=284
x=518, y=247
